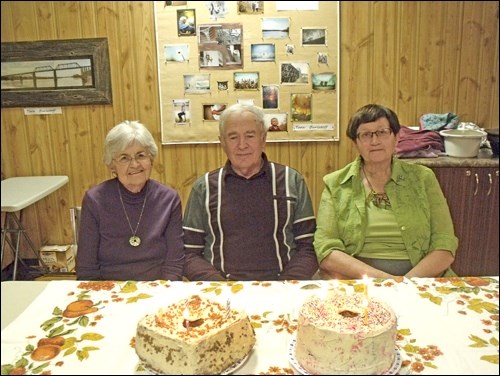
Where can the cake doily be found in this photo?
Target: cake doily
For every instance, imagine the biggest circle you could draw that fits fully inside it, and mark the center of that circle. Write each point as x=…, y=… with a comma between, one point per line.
x=227, y=371
x=393, y=370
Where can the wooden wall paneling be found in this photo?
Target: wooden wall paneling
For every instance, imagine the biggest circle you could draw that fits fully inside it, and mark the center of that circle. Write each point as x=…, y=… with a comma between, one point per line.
x=7, y=24
x=147, y=73
x=23, y=24
x=469, y=68
x=45, y=21
x=355, y=83
x=126, y=62
x=406, y=80
x=450, y=63
x=88, y=16
x=385, y=53
x=40, y=157
x=488, y=67
x=429, y=78
x=68, y=23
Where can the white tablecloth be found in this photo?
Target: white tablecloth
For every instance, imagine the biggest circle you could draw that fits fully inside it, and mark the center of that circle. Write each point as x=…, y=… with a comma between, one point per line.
x=445, y=326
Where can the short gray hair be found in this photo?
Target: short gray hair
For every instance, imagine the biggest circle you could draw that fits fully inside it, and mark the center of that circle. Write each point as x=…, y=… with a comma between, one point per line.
x=125, y=134
x=239, y=109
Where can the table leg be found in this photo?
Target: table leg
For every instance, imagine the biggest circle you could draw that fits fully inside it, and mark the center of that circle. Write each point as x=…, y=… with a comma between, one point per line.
x=19, y=231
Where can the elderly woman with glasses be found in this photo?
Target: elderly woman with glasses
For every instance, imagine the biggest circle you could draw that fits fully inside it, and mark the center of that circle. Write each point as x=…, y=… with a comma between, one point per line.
x=379, y=216
x=131, y=225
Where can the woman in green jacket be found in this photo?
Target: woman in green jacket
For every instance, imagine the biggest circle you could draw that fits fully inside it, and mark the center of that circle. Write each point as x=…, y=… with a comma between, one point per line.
x=379, y=216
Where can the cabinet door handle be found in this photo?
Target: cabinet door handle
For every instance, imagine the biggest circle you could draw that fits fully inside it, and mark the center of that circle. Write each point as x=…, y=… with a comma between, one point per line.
x=490, y=178
x=477, y=184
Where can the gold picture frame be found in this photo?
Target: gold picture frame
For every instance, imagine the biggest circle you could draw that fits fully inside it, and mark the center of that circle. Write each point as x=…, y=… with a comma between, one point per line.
x=56, y=73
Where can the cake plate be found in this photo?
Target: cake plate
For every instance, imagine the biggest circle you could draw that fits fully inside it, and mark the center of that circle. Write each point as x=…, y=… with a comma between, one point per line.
x=227, y=371
x=393, y=370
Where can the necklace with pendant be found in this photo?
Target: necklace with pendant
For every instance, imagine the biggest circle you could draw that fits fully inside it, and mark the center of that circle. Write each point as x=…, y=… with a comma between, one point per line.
x=380, y=200
x=134, y=240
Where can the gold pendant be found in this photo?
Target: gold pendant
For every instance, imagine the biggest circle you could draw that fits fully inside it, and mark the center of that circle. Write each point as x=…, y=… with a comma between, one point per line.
x=134, y=241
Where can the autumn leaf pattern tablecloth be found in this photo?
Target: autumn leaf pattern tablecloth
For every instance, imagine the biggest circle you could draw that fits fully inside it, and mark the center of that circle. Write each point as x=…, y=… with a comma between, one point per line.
x=445, y=325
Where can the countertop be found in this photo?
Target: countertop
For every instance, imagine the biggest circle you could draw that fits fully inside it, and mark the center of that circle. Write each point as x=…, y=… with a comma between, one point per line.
x=484, y=159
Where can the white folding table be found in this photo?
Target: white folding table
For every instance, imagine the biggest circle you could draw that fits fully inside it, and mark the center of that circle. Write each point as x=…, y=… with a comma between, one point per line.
x=17, y=194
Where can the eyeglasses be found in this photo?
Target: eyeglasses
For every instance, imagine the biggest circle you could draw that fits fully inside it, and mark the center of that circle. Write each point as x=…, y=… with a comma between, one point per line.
x=381, y=134
x=126, y=159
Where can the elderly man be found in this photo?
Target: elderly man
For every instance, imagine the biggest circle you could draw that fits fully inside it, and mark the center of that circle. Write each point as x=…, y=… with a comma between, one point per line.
x=251, y=219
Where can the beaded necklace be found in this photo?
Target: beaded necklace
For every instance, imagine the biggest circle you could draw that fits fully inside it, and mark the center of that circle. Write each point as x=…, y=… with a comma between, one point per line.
x=380, y=200
x=134, y=240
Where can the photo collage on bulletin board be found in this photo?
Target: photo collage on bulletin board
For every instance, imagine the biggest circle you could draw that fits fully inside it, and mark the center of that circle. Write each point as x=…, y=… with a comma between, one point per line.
x=281, y=56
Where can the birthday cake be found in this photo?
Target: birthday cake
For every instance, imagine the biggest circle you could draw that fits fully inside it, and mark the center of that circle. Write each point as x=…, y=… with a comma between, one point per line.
x=194, y=336
x=345, y=334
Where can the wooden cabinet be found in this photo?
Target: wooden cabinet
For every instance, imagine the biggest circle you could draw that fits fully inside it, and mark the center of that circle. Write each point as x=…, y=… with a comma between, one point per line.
x=472, y=194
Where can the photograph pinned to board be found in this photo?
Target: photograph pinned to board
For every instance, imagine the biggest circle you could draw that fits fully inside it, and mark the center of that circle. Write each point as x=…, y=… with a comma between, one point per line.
x=196, y=83
x=276, y=122
x=322, y=58
x=186, y=22
x=220, y=46
x=301, y=106
x=174, y=3
x=289, y=49
x=275, y=27
x=223, y=85
x=263, y=52
x=313, y=36
x=212, y=111
x=246, y=80
x=217, y=9
x=250, y=7
x=293, y=73
x=324, y=81
x=176, y=53
x=181, y=111
x=270, y=97
x=246, y=101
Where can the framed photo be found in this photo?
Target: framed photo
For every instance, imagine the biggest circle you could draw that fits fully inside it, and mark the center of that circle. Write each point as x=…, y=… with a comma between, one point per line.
x=289, y=49
x=220, y=46
x=276, y=122
x=176, y=53
x=212, y=111
x=301, y=107
x=222, y=85
x=181, y=111
x=196, y=83
x=270, y=97
x=56, y=73
x=246, y=80
x=186, y=22
x=263, y=52
x=250, y=7
x=292, y=73
x=313, y=36
x=322, y=58
x=275, y=28
x=324, y=81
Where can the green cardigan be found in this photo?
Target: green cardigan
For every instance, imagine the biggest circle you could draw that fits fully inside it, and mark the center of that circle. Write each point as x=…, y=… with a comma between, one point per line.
x=419, y=206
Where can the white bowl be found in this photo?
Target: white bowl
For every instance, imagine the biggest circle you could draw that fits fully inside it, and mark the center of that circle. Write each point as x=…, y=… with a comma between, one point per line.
x=463, y=143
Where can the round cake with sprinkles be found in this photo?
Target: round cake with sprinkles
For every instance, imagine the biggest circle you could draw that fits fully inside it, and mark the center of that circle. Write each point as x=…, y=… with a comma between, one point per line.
x=345, y=334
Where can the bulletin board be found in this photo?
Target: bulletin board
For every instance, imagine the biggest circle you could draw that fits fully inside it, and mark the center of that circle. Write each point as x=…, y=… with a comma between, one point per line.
x=279, y=55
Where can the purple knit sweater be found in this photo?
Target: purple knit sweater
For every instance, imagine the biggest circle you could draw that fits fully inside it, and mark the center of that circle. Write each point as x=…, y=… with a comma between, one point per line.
x=104, y=252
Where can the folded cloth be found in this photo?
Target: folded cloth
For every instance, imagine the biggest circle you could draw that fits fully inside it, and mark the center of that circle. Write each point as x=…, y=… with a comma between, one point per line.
x=437, y=122
x=418, y=143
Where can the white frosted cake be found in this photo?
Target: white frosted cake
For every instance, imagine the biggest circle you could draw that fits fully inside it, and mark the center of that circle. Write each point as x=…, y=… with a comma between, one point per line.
x=194, y=336
x=345, y=335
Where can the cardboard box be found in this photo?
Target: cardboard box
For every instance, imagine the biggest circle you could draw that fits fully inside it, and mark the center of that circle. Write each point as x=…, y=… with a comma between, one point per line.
x=59, y=258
